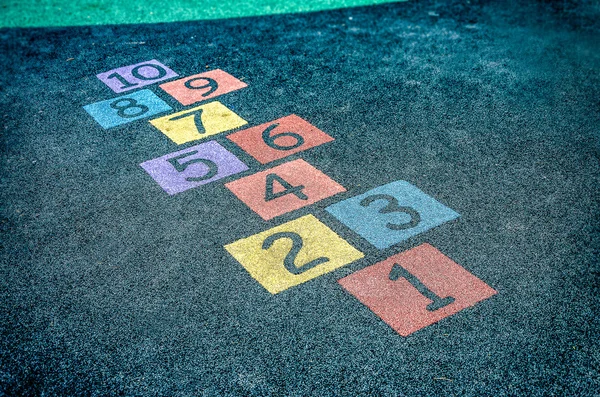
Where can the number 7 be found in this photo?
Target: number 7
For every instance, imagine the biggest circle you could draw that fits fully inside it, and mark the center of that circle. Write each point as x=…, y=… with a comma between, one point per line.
x=197, y=113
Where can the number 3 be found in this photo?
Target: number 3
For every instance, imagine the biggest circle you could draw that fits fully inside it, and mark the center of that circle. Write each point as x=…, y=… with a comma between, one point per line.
x=393, y=206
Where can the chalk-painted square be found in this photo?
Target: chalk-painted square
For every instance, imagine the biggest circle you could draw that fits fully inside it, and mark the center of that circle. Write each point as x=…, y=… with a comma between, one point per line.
x=292, y=253
x=132, y=77
x=284, y=188
x=127, y=108
x=192, y=167
x=279, y=138
x=414, y=289
x=203, y=86
x=391, y=213
x=198, y=123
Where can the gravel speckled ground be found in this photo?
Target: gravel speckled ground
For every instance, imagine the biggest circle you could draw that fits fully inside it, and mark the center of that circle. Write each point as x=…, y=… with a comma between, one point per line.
x=109, y=286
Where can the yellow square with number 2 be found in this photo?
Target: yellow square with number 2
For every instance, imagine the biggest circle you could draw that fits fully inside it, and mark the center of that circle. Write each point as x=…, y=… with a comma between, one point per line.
x=292, y=253
x=198, y=122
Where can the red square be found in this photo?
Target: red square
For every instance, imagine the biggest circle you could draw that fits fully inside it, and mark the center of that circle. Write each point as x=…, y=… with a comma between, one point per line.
x=284, y=188
x=203, y=86
x=416, y=288
x=279, y=138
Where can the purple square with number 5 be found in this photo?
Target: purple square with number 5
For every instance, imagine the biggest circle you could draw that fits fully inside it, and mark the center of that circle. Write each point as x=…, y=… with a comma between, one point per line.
x=192, y=167
x=132, y=77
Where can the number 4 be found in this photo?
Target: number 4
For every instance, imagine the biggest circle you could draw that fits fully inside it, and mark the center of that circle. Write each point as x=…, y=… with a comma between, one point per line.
x=288, y=188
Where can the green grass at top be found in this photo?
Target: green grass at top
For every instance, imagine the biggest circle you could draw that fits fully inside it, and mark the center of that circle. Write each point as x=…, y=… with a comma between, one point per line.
x=46, y=13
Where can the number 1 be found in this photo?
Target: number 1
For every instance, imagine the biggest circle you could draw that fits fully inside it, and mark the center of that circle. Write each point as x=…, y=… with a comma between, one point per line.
x=437, y=302
x=126, y=84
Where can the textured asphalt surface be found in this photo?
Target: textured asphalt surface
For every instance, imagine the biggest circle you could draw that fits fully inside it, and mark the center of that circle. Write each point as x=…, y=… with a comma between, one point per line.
x=109, y=286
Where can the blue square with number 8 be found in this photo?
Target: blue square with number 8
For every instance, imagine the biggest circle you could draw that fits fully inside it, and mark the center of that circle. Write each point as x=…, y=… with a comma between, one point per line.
x=391, y=213
x=127, y=108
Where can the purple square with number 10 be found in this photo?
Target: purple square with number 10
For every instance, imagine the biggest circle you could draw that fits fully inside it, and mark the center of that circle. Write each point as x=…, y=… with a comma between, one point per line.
x=132, y=77
x=192, y=167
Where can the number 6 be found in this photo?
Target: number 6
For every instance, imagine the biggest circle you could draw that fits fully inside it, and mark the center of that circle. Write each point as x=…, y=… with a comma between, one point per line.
x=270, y=139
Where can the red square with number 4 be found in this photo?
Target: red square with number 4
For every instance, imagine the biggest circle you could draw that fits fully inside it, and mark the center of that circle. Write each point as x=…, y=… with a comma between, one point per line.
x=279, y=138
x=284, y=188
x=203, y=86
x=416, y=288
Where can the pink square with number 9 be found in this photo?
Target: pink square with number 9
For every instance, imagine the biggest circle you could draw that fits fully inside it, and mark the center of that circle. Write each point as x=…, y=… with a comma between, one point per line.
x=203, y=86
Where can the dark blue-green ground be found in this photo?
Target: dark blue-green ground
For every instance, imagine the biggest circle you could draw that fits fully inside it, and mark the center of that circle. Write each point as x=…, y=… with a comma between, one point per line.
x=111, y=287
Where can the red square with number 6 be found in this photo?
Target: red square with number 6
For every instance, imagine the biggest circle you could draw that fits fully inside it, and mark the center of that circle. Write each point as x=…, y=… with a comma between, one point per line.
x=284, y=188
x=279, y=138
x=416, y=288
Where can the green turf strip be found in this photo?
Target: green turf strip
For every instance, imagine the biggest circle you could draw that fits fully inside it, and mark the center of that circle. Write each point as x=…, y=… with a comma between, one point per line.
x=43, y=13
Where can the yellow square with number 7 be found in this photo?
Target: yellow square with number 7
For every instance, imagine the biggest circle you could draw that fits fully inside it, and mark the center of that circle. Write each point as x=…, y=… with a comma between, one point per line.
x=292, y=253
x=198, y=122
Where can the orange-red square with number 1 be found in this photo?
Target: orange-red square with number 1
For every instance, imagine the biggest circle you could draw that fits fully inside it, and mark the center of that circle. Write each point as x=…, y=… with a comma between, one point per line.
x=279, y=138
x=284, y=188
x=202, y=87
x=416, y=288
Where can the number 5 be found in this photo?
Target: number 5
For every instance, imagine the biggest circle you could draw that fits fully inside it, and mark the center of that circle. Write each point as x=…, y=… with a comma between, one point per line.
x=212, y=171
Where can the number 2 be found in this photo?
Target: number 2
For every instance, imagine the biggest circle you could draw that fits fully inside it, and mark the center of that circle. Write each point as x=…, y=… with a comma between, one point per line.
x=436, y=301
x=393, y=206
x=290, y=258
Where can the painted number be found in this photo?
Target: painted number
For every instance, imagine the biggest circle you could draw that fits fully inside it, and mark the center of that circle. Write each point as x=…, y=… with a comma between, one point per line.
x=270, y=140
x=427, y=287
x=290, y=259
x=203, y=86
x=288, y=189
x=392, y=207
x=315, y=250
x=136, y=72
x=125, y=105
x=391, y=214
x=196, y=114
x=127, y=108
x=284, y=188
x=135, y=76
x=124, y=83
x=198, y=122
x=211, y=84
x=436, y=302
x=193, y=167
x=279, y=138
x=213, y=168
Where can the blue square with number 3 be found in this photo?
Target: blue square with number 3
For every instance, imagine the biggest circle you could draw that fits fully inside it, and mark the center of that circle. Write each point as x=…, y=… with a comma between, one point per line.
x=391, y=213
x=127, y=108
